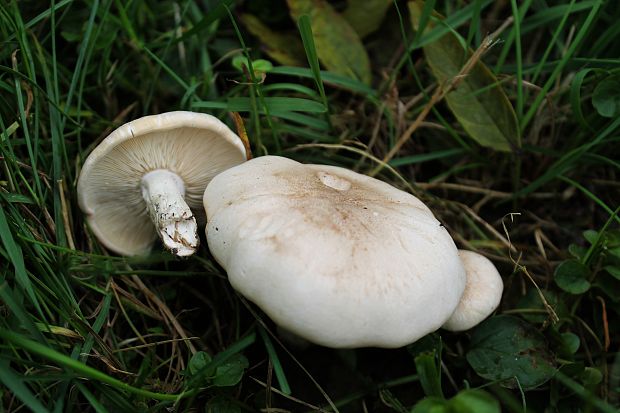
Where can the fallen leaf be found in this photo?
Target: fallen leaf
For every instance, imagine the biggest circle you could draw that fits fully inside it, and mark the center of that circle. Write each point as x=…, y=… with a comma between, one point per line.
x=284, y=48
x=365, y=16
x=478, y=102
x=338, y=46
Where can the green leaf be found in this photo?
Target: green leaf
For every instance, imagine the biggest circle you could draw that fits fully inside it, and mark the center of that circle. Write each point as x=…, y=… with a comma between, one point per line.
x=613, y=238
x=260, y=66
x=613, y=271
x=478, y=102
x=365, y=16
x=571, y=342
x=590, y=235
x=431, y=405
x=606, y=97
x=227, y=373
x=577, y=251
x=338, y=46
x=591, y=377
x=429, y=372
x=284, y=48
x=231, y=371
x=571, y=276
x=510, y=350
x=474, y=401
x=198, y=362
x=466, y=401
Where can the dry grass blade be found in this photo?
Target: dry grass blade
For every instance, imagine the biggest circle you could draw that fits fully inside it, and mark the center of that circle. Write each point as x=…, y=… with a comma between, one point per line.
x=240, y=126
x=165, y=311
x=440, y=92
x=65, y=214
x=479, y=190
x=605, y=322
x=552, y=314
x=105, y=333
x=296, y=400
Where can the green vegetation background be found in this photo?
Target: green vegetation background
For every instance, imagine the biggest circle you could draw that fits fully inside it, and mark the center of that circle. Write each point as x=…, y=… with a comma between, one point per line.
x=504, y=116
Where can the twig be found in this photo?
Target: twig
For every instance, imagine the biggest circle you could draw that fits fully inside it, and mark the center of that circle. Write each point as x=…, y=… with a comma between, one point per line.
x=441, y=91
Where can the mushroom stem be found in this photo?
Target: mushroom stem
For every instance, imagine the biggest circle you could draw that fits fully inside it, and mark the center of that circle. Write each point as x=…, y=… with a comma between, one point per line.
x=164, y=193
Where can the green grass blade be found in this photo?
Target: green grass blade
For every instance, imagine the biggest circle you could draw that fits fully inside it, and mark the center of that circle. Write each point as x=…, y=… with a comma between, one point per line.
x=84, y=49
x=554, y=37
x=16, y=257
x=167, y=68
x=517, y=30
x=92, y=399
x=592, y=196
x=424, y=157
x=352, y=85
x=275, y=361
x=82, y=369
x=292, y=87
x=474, y=32
x=277, y=104
x=583, y=30
x=305, y=30
x=584, y=393
x=567, y=161
x=8, y=296
x=15, y=383
x=219, y=11
x=256, y=92
x=575, y=96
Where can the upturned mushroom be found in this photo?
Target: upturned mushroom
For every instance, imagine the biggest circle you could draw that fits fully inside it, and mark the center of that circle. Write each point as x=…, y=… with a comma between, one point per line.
x=147, y=178
x=335, y=257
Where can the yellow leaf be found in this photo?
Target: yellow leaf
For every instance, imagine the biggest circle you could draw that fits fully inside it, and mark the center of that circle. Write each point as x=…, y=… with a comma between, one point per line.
x=365, y=16
x=338, y=46
x=284, y=48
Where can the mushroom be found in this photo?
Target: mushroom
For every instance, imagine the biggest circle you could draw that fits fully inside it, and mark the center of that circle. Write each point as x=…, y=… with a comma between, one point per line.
x=147, y=178
x=483, y=292
x=333, y=256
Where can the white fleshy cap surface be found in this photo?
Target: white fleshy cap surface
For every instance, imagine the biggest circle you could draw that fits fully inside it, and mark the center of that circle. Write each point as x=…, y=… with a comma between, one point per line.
x=194, y=146
x=336, y=257
x=483, y=292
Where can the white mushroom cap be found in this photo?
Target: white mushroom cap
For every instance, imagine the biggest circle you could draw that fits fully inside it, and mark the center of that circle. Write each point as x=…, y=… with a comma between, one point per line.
x=338, y=258
x=185, y=149
x=483, y=292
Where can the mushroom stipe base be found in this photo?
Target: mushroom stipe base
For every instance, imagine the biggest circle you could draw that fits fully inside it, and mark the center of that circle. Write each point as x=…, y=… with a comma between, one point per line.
x=164, y=194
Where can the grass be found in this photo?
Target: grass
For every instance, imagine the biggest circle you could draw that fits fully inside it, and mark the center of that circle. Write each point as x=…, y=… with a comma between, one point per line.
x=82, y=330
